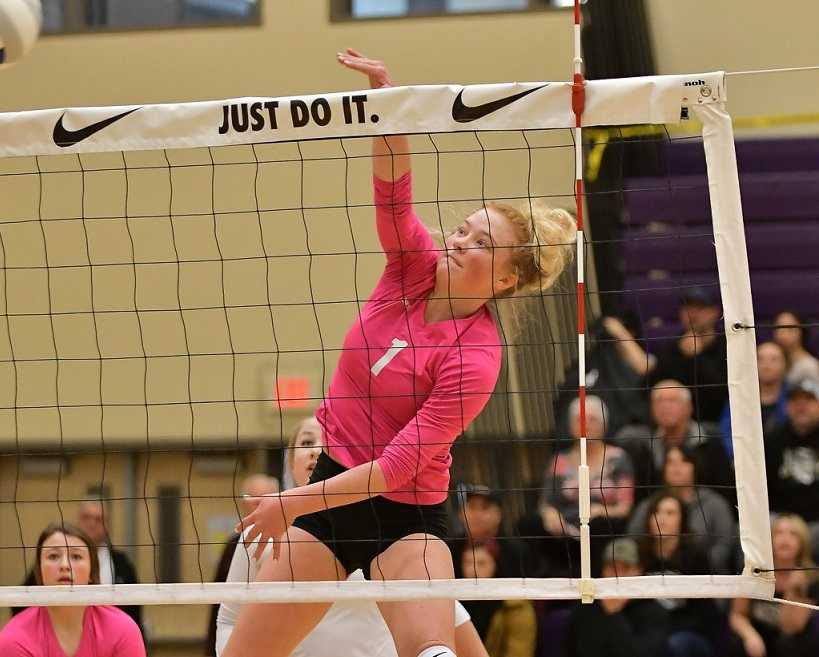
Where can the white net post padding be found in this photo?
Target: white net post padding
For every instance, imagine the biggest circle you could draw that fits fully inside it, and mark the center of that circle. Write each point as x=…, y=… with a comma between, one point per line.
x=735, y=285
x=430, y=109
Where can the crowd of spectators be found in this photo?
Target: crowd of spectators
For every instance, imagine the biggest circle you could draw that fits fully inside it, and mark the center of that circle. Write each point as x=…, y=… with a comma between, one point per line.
x=663, y=497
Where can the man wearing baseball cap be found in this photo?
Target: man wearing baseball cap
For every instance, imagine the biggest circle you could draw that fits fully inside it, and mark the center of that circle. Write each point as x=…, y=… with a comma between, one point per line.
x=698, y=357
x=792, y=457
x=482, y=518
x=617, y=627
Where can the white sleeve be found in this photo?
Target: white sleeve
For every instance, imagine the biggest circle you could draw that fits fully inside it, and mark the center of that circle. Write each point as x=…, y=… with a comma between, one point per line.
x=461, y=614
x=242, y=569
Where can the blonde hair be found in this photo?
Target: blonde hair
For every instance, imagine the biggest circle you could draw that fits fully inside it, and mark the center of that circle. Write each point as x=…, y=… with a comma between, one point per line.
x=804, y=559
x=546, y=238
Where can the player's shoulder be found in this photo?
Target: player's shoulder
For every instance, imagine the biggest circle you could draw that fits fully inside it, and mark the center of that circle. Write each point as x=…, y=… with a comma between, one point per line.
x=19, y=634
x=26, y=618
x=484, y=340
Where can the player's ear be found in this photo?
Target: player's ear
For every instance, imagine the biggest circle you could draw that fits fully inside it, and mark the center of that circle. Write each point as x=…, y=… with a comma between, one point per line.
x=505, y=284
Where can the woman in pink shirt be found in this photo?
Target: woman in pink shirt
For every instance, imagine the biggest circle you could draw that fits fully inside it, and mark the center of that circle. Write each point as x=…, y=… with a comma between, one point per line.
x=417, y=367
x=66, y=556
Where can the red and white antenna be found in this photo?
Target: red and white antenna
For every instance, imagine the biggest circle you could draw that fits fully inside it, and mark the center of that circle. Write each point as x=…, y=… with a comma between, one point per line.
x=578, y=105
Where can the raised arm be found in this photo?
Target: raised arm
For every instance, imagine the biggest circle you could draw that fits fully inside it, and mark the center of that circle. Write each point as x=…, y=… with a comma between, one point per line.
x=391, y=158
x=406, y=241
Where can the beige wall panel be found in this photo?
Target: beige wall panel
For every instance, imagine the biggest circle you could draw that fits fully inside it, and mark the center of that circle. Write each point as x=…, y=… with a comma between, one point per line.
x=702, y=36
x=292, y=53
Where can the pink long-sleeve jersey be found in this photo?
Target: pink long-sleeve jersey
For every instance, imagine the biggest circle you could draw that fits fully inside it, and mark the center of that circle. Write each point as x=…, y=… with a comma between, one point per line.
x=404, y=388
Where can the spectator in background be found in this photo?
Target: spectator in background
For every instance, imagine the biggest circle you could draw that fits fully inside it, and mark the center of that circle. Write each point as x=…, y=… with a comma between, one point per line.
x=698, y=359
x=254, y=486
x=773, y=393
x=66, y=556
x=710, y=519
x=666, y=548
x=617, y=627
x=792, y=336
x=792, y=457
x=115, y=567
x=769, y=629
x=772, y=364
x=303, y=451
x=507, y=627
x=482, y=518
x=673, y=426
x=611, y=482
x=616, y=367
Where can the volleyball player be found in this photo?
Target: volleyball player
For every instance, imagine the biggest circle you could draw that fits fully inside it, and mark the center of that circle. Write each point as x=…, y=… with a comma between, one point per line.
x=418, y=365
x=349, y=628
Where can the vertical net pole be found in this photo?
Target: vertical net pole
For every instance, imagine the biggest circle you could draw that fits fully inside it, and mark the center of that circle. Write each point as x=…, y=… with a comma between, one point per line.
x=578, y=103
x=738, y=312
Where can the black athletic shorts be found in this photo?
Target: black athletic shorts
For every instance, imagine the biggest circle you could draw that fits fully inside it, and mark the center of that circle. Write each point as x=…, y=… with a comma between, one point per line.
x=359, y=532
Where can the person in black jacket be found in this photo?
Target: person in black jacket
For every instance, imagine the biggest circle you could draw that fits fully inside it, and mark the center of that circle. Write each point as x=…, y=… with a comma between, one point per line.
x=616, y=367
x=792, y=458
x=617, y=627
x=115, y=566
x=672, y=425
x=698, y=358
x=482, y=518
x=696, y=625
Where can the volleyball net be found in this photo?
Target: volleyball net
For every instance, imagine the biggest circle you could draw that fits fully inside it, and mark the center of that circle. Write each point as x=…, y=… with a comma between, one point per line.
x=177, y=281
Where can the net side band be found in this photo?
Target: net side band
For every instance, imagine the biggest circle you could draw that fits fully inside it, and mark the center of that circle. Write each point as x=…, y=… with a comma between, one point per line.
x=418, y=109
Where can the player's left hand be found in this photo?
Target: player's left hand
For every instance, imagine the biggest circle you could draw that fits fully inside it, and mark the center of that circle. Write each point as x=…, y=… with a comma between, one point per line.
x=268, y=521
x=375, y=70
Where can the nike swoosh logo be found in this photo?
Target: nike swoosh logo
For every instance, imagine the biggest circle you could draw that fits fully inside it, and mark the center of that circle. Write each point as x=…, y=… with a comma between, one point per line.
x=465, y=114
x=64, y=137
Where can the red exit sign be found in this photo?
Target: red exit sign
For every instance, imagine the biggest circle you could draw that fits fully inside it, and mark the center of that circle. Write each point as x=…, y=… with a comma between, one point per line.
x=292, y=392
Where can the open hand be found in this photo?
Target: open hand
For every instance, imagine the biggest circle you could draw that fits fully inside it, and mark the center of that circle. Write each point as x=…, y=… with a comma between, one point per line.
x=754, y=646
x=268, y=521
x=375, y=70
x=555, y=524
x=692, y=344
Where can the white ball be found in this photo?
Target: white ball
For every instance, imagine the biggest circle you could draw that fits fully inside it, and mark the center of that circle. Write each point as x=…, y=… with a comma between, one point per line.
x=20, y=22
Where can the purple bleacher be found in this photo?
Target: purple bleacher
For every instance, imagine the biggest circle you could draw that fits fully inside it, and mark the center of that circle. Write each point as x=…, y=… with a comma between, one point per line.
x=684, y=199
x=772, y=291
x=668, y=225
x=753, y=155
x=653, y=297
x=670, y=250
x=690, y=248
